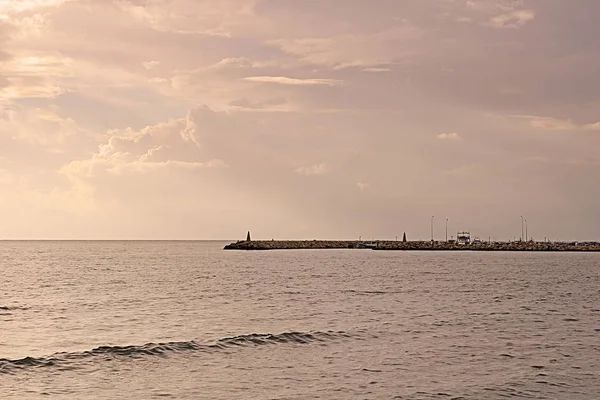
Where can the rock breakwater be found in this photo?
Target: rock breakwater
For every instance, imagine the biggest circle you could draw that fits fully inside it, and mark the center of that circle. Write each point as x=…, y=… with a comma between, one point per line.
x=412, y=246
x=490, y=246
x=289, y=244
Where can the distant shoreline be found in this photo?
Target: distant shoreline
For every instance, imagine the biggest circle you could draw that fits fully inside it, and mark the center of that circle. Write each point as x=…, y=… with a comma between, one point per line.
x=383, y=245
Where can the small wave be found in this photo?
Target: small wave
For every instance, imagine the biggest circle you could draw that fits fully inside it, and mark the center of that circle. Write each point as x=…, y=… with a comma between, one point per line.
x=370, y=292
x=13, y=308
x=287, y=337
x=8, y=366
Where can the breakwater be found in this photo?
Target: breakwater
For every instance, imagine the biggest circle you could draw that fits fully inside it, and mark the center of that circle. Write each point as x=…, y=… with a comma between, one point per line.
x=412, y=246
x=290, y=244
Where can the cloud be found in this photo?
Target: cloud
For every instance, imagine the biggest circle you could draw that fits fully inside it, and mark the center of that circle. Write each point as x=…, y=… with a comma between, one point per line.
x=209, y=17
x=18, y=6
x=592, y=127
x=494, y=13
x=36, y=76
x=159, y=80
x=317, y=169
x=556, y=124
x=463, y=170
x=538, y=159
x=5, y=177
x=119, y=164
x=449, y=136
x=272, y=87
x=374, y=69
x=353, y=50
x=42, y=127
x=271, y=105
x=292, y=81
x=513, y=19
x=235, y=62
x=150, y=64
x=362, y=186
x=551, y=124
x=166, y=145
x=464, y=19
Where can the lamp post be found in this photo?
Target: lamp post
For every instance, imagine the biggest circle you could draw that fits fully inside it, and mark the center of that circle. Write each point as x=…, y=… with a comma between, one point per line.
x=446, y=230
x=432, y=217
x=521, y=228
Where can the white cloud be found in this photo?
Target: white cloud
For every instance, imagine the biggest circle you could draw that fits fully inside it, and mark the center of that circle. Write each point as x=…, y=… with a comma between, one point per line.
x=592, y=127
x=374, y=69
x=159, y=80
x=36, y=76
x=235, y=62
x=449, y=136
x=292, y=81
x=556, y=124
x=164, y=145
x=494, y=13
x=39, y=126
x=552, y=124
x=17, y=6
x=318, y=169
x=513, y=19
x=362, y=186
x=150, y=64
x=207, y=17
x=464, y=19
x=463, y=170
x=352, y=50
x=120, y=164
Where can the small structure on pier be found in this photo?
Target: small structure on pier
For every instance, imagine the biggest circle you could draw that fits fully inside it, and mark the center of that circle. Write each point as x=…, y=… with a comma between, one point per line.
x=463, y=238
x=404, y=238
x=248, y=237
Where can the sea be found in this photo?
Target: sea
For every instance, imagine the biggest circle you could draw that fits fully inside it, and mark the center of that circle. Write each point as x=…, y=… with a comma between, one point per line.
x=188, y=320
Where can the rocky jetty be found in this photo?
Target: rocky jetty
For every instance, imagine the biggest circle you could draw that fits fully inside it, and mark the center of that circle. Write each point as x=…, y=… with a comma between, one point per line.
x=412, y=246
x=289, y=244
x=489, y=246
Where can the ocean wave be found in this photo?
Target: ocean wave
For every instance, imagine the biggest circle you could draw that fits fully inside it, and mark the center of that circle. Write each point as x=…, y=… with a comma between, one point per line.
x=8, y=366
x=12, y=308
x=286, y=337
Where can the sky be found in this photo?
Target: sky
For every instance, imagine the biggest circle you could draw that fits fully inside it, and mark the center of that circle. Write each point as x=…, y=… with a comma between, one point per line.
x=305, y=119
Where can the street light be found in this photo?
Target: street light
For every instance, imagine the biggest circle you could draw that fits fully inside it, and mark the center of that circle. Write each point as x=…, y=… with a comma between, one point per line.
x=521, y=228
x=446, y=229
x=432, y=217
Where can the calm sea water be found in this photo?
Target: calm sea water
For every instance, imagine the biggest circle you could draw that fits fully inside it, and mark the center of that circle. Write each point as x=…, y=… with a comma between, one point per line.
x=187, y=320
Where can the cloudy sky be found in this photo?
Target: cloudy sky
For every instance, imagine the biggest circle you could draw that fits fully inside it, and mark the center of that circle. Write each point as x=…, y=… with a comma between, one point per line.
x=200, y=119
